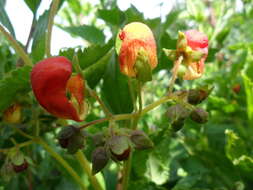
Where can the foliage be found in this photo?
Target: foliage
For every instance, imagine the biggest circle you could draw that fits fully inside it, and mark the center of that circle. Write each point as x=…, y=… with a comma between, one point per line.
x=215, y=155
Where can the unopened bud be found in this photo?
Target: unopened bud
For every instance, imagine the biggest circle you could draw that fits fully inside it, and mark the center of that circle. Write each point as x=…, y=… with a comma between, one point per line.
x=20, y=168
x=98, y=139
x=71, y=138
x=199, y=115
x=196, y=96
x=99, y=159
x=12, y=114
x=177, y=111
x=141, y=140
x=178, y=125
x=119, y=147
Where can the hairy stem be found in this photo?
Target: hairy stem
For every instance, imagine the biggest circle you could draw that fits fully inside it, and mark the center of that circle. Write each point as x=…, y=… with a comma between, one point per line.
x=27, y=143
x=19, y=50
x=86, y=167
x=174, y=74
x=126, y=172
x=53, y=10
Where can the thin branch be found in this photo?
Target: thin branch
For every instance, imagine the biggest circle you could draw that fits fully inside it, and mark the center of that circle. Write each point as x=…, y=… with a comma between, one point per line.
x=52, y=13
x=86, y=167
x=19, y=50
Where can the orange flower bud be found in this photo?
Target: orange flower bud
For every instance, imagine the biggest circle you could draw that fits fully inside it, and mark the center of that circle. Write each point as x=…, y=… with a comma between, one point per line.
x=137, y=44
x=12, y=114
x=51, y=83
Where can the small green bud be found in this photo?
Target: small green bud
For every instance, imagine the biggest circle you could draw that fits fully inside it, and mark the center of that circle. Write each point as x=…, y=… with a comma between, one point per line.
x=99, y=159
x=141, y=140
x=199, y=115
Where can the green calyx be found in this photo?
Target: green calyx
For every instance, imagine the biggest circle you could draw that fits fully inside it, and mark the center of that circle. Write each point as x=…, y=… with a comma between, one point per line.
x=181, y=42
x=142, y=67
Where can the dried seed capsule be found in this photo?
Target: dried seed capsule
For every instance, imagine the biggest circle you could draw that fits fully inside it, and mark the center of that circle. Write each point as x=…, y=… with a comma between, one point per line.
x=199, y=115
x=99, y=159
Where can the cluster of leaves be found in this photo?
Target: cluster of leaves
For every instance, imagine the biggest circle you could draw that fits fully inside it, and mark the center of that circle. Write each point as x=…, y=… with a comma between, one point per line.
x=216, y=155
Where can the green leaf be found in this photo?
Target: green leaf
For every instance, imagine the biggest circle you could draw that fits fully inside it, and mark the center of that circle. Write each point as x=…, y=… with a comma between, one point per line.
x=235, y=146
x=15, y=84
x=95, y=72
x=89, y=33
x=187, y=182
x=4, y=19
x=248, y=83
x=112, y=16
x=93, y=60
x=115, y=89
x=133, y=15
x=33, y=5
x=39, y=37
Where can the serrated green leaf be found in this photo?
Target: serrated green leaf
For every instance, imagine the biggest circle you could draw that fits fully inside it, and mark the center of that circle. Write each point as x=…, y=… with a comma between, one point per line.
x=4, y=19
x=90, y=33
x=113, y=16
x=133, y=15
x=33, y=5
x=15, y=84
x=93, y=60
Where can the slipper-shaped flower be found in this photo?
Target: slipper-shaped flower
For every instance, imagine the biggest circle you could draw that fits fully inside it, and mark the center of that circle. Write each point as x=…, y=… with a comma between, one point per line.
x=56, y=90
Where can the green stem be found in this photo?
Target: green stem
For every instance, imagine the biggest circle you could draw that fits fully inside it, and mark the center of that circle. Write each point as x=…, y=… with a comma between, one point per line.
x=27, y=143
x=91, y=92
x=19, y=50
x=128, y=163
x=22, y=132
x=65, y=164
x=85, y=165
x=53, y=10
x=130, y=116
x=131, y=89
x=174, y=74
x=126, y=172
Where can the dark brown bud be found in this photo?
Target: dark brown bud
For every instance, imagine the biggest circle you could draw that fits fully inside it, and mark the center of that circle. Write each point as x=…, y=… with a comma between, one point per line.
x=119, y=147
x=98, y=139
x=199, y=115
x=71, y=138
x=99, y=159
x=21, y=167
x=196, y=96
x=177, y=125
x=141, y=140
x=177, y=112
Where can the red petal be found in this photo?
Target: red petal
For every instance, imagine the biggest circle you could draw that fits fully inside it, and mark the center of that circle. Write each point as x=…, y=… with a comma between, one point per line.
x=49, y=79
x=196, y=39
